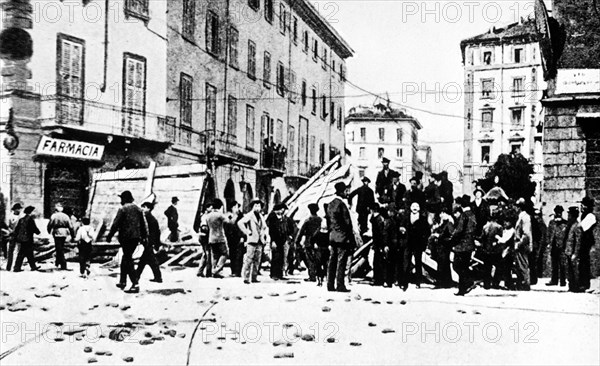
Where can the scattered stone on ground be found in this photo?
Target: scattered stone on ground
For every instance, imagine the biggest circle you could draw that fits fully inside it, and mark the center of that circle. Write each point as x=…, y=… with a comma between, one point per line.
x=355, y=344
x=128, y=359
x=331, y=340
x=146, y=342
x=388, y=330
x=371, y=324
x=326, y=309
x=284, y=355
x=308, y=338
x=92, y=360
x=87, y=349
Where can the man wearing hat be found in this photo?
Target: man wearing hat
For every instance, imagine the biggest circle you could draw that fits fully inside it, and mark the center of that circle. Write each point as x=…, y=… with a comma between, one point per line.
x=557, y=230
x=481, y=209
x=24, y=232
x=341, y=239
x=173, y=220
x=383, y=183
x=573, y=249
x=13, y=219
x=398, y=192
x=131, y=226
x=364, y=201
x=279, y=233
x=415, y=194
x=152, y=244
x=446, y=190
x=60, y=228
x=309, y=231
x=463, y=239
x=255, y=229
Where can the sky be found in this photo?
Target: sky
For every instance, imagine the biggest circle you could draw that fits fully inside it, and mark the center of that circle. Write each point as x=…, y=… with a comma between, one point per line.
x=411, y=50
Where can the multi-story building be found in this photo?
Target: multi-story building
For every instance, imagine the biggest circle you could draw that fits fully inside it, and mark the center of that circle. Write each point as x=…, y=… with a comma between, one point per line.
x=262, y=100
x=373, y=133
x=82, y=91
x=503, y=87
x=252, y=88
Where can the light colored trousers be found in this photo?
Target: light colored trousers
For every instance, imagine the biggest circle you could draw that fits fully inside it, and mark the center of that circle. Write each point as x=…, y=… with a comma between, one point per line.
x=252, y=260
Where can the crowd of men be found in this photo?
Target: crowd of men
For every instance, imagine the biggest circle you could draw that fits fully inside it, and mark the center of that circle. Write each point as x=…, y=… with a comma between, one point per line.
x=495, y=244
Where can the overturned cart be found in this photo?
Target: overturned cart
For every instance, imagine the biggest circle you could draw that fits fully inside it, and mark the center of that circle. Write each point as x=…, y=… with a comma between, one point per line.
x=320, y=190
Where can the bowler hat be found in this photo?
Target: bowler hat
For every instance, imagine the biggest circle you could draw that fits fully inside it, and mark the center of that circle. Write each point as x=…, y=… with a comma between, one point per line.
x=588, y=201
x=574, y=210
x=340, y=186
x=479, y=190
x=464, y=201
x=313, y=207
x=278, y=207
x=174, y=199
x=385, y=160
x=17, y=206
x=559, y=208
x=366, y=179
x=28, y=210
x=126, y=196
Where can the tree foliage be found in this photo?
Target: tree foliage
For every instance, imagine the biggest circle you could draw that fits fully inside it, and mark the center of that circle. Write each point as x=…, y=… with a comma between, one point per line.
x=514, y=176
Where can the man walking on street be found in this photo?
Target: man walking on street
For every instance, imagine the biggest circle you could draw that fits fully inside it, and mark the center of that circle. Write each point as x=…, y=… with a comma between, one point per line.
x=365, y=198
x=173, y=220
x=309, y=231
x=417, y=234
x=341, y=238
x=216, y=236
x=24, y=232
x=13, y=219
x=152, y=244
x=463, y=239
x=131, y=226
x=255, y=229
x=557, y=231
x=60, y=228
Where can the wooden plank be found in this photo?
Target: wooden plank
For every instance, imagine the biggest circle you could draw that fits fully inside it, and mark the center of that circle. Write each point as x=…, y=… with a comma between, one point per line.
x=176, y=258
x=174, y=170
x=190, y=258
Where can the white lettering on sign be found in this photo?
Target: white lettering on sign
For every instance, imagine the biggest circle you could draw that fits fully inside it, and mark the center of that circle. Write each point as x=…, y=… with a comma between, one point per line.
x=70, y=149
x=577, y=81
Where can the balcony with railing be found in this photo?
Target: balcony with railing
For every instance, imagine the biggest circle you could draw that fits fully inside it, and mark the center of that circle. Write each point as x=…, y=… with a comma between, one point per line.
x=272, y=158
x=223, y=148
x=94, y=117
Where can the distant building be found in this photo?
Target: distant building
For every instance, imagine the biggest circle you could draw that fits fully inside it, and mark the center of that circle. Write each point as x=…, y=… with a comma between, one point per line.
x=380, y=131
x=503, y=86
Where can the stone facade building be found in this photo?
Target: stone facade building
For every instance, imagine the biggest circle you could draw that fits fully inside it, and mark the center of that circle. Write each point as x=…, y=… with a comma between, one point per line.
x=380, y=131
x=251, y=88
x=571, y=54
x=503, y=86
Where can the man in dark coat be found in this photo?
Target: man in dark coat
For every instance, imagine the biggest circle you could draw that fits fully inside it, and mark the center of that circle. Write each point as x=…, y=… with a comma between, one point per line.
x=573, y=249
x=432, y=196
x=587, y=225
x=481, y=209
x=279, y=233
x=341, y=239
x=24, y=232
x=309, y=231
x=398, y=192
x=417, y=234
x=130, y=224
x=442, y=232
x=235, y=240
x=415, y=194
x=379, y=244
x=463, y=239
x=446, y=191
x=383, y=184
x=173, y=220
x=365, y=198
x=152, y=244
x=394, y=246
x=555, y=241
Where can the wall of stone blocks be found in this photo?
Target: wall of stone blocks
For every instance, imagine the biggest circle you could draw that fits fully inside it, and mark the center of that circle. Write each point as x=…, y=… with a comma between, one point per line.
x=572, y=163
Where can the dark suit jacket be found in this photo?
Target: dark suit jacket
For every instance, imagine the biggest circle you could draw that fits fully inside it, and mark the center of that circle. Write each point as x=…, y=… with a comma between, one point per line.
x=383, y=185
x=340, y=224
x=172, y=218
x=130, y=223
x=417, y=233
x=447, y=193
x=482, y=214
x=398, y=195
x=25, y=230
x=463, y=237
x=415, y=196
x=365, y=198
x=153, y=231
x=378, y=228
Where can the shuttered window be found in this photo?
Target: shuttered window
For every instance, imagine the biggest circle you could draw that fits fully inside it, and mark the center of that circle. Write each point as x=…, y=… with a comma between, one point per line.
x=211, y=107
x=189, y=19
x=70, y=74
x=250, y=126
x=186, y=97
